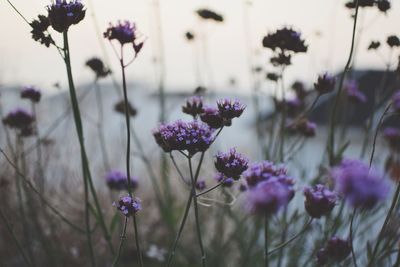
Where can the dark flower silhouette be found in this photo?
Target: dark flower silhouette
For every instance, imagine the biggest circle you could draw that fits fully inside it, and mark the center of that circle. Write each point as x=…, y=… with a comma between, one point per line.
x=208, y=14
x=325, y=84
x=39, y=29
x=393, y=41
x=63, y=14
x=97, y=66
x=374, y=45
x=319, y=201
x=285, y=39
x=120, y=108
x=31, y=93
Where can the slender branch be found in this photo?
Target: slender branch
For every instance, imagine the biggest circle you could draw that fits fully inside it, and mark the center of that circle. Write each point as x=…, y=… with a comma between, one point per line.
x=266, y=241
x=353, y=255
x=377, y=131
x=121, y=243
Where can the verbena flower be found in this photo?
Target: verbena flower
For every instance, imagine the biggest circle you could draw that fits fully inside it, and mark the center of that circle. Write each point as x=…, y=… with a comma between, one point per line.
x=383, y=5
x=319, y=200
x=128, y=205
x=19, y=119
x=97, y=66
x=281, y=59
x=39, y=28
x=231, y=164
x=117, y=180
x=191, y=136
x=213, y=118
x=194, y=106
x=226, y=181
x=230, y=109
x=393, y=41
x=272, y=76
x=374, y=45
x=120, y=108
x=325, y=84
x=62, y=14
x=32, y=93
x=269, y=196
x=336, y=250
x=354, y=93
x=362, y=3
x=201, y=185
x=125, y=32
x=285, y=39
x=262, y=171
x=360, y=186
x=208, y=14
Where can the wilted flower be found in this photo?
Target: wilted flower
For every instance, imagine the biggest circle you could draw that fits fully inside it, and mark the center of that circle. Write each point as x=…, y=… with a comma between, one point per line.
x=120, y=108
x=210, y=15
x=39, y=28
x=325, y=84
x=97, y=66
x=231, y=164
x=374, y=45
x=269, y=196
x=63, y=14
x=213, y=118
x=192, y=136
x=230, y=109
x=31, y=93
x=286, y=40
x=194, y=106
x=319, y=201
x=393, y=41
x=117, y=180
x=336, y=250
x=19, y=119
x=265, y=170
x=360, y=186
x=128, y=205
x=354, y=94
x=124, y=32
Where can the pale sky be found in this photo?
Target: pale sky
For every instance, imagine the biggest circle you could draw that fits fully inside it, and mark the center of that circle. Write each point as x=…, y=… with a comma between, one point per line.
x=24, y=61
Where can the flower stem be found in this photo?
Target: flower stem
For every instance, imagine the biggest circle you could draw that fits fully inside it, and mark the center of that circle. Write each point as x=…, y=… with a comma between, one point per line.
x=121, y=243
x=266, y=241
x=353, y=255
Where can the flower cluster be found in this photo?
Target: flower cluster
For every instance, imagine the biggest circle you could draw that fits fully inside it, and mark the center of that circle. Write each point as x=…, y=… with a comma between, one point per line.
x=336, y=250
x=319, y=200
x=360, y=186
x=354, y=93
x=325, y=84
x=262, y=171
x=117, y=180
x=97, y=66
x=31, y=93
x=231, y=164
x=191, y=136
x=286, y=40
x=208, y=14
x=63, y=14
x=393, y=41
x=229, y=109
x=382, y=5
x=39, y=28
x=304, y=127
x=124, y=32
x=194, y=106
x=19, y=119
x=120, y=108
x=128, y=205
x=226, y=181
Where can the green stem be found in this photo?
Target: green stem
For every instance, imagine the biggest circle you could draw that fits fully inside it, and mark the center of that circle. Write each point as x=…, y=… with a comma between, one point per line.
x=331, y=143
x=78, y=124
x=121, y=243
x=353, y=255
x=266, y=241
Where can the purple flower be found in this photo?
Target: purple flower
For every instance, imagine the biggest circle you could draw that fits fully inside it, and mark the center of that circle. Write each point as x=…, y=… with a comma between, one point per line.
x=354, y=94
x=128, y=205
x=319, y=201
x=285, y=39
x=124, y=32
x=31, y=93
x=212, y=117
x=269, y=196
x=360, y=186
x=201, y=185
x=304, y=127
x=226, y=181
x=194, y=106
x=19, y=119
x=117, y=180
x=97, y=66
x=336, y=250
x=325, y=84
x=396, y=101
x=63, y=14
x=263, y=171
x=230, y=109
x=191, y=136
x=231, y=164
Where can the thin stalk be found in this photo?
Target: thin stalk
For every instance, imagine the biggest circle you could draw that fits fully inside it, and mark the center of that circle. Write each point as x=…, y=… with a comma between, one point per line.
x=331, y=142
x=40, y=171
x=121, y=243
x=353, y=255
x=196, y=213
x=85, y=163
x=17, y=243
x=266, y=241
x=377, y=131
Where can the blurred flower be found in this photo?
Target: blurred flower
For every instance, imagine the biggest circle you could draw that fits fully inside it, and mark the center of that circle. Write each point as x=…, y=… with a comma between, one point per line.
x=285, y=39
x=231, y=164
x=393, y=41
x=63, y=14
x=336, y=250
x=374, y=45
x=396, y=101
x=31, y=93
x=157, y=253
x=230, y=109
x=226, y=181
x=383, y=5
x=325, y=84
x=194, y=106
x=19, y=119
x=272, y=76
x=269, y=196
x=117, y=180
x=201, y=185
x=354, y=94
x=319, y=200
x=293, y=106
x=304, y=127
x=39, y=28
x=361, y=3
x=360, y=186
x=97, y=66
x=299, y=89
x=265, y=170
x=128, y=205
x=281, y=59
x=208, y=14
x=120, y=108
x=213, y=118
x=124, y=32
x=192, y=136
x=189, y=36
